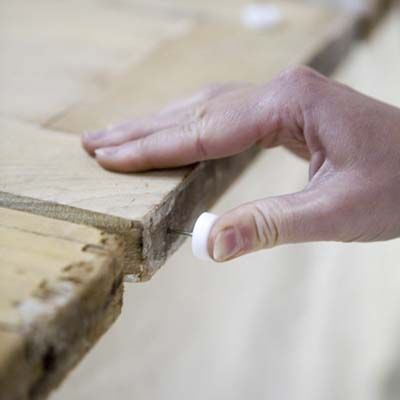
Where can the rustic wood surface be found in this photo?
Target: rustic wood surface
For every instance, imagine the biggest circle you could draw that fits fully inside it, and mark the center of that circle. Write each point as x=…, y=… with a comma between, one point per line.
x=43, y=170
x=54, y=52
x=330, y=311
x=61, y=287
x=61, y=75
x=61, y=283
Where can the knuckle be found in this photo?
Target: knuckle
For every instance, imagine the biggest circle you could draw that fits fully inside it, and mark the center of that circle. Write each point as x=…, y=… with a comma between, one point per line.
x=195, y=129
x=265, y=225
x=197, y=113
x=141, y=149
x=300, y=79
x=301, y=86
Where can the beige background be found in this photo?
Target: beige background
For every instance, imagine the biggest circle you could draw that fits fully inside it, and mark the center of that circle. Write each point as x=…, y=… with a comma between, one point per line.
x=313, y=321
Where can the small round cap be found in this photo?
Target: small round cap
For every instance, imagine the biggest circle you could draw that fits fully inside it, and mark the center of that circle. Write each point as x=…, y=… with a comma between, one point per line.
x=200, y=234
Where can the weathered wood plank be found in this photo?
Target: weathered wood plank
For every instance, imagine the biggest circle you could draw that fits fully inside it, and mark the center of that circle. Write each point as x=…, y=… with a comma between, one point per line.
x=54, y=177
x=61, y=287
x=56, y=52
x=214, y=50
x=377, y=79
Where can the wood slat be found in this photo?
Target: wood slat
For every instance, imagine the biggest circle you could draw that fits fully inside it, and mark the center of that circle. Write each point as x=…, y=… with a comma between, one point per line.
x=61, y=287
x=45, y=171
x=214, y=50
x=56, y=52
x=76, y=66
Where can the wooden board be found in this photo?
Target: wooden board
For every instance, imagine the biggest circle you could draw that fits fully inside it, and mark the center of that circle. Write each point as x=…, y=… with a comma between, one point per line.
x=60, y=74
x=378, y=80
x=175, y=69
x=55, y=52
x=45, y=171
x=61, y=287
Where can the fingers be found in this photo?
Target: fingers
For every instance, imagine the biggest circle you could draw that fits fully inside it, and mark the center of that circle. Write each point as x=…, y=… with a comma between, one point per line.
x=206, y=137
x=299, y=217
x=163, y=149
x=214, y=130
x=130, y=130
x=226, y=124
x=171, y=115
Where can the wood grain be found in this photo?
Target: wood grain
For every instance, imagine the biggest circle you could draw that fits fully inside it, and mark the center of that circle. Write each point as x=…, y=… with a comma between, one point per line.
x=61, y=287
x=60, y=282
x=213, y=51
x=378, y=80
x=45, y=171
x=56, y=52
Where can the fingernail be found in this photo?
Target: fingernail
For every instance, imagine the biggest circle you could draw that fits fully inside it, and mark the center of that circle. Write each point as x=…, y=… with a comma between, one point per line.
x=106, y=152
x=227, y=244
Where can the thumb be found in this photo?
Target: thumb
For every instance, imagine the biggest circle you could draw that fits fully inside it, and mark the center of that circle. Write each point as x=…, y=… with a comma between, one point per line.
x=298, y=217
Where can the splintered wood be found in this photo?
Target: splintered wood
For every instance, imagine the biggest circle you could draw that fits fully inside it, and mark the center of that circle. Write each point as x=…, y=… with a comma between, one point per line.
x=61, y=287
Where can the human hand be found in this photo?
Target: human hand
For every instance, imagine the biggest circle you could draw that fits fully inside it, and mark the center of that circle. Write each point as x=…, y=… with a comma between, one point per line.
x=352, y=143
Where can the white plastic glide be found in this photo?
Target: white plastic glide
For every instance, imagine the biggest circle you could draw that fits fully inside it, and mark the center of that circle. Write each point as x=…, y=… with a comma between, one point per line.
x=201, y=232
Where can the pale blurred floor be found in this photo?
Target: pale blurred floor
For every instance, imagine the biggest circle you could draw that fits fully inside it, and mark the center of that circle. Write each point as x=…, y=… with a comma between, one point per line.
x=315, y=321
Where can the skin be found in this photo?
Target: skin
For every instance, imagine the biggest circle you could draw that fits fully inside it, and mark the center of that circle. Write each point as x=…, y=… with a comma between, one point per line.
x=352, y=143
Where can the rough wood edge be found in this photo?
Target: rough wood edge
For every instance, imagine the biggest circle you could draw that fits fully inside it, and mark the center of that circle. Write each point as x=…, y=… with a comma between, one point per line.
x=208, y=180
x=148, y=245
x=129, y=231
x=54, y=343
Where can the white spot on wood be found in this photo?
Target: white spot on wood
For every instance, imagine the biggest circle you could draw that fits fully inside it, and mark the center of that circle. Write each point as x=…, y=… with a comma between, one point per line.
x=261, y=16
x=131, y=278
x=35, y=308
